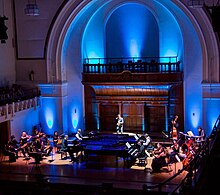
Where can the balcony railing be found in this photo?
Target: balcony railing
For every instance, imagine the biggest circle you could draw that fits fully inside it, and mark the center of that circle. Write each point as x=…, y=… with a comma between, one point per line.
x=8, y=111
x=134, y=65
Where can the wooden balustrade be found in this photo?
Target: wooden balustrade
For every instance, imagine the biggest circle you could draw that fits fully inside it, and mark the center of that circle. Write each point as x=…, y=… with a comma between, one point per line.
x=8, y=111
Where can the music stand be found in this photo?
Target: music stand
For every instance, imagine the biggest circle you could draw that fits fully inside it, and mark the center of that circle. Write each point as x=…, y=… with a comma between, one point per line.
x=37, y=158
x=52, y=158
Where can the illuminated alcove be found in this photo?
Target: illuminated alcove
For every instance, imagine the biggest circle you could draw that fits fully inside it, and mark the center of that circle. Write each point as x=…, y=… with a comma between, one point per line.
x=93, y=29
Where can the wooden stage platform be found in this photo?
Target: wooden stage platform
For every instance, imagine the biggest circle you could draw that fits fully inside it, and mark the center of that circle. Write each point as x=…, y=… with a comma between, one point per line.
x=54, y=175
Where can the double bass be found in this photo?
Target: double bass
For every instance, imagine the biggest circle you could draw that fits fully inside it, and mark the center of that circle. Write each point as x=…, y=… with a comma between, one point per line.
x=175, y=125
x=174, y=133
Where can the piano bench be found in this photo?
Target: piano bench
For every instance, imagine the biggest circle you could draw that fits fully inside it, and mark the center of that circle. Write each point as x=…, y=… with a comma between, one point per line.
x=63, y=154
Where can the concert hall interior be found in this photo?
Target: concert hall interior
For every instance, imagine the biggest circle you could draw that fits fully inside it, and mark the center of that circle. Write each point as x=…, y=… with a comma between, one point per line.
x=103, y=97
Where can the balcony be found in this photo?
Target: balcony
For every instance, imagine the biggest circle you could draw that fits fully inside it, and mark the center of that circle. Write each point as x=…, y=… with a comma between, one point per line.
x=141, y=70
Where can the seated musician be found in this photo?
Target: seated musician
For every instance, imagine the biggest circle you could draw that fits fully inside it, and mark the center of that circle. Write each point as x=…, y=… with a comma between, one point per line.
x=24, y=141
x=46, y=147
x=36, y=145
x=14, y=146
x=160, y=158
x=77, y=150
x=35, y=150
x=141, y=149
x=201, y=135
x=79, y=135
x=10, y=153
x=188, y=152
x=175, y=154
x=65, y=148
x=36, y=134
x=146, y=140
x=57, y=141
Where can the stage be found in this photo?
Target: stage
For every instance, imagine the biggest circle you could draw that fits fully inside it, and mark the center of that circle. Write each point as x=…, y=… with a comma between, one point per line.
x=54, y=174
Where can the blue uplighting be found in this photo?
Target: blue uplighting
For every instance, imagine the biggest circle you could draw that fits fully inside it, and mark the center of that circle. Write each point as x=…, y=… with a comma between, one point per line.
x=133, y=31
x=49, y=117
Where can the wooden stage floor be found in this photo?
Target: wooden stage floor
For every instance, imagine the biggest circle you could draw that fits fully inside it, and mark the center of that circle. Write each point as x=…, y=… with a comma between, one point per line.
x=102, y=171
x=54, y=170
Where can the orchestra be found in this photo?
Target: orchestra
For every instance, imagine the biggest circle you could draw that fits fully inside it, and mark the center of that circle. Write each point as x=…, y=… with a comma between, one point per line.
x=157, y=155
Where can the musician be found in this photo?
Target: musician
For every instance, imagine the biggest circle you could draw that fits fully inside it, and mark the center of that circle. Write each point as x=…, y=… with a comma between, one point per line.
x=201, y=134
x=174, y=127
x=188, y=152
x=147, y=140
x=36, y=146
x=160, y=158
x=175, y=151
x=141, y=149
x=46, y=147
x=65, y=148
x=57, y=141
x=77, y=142
x=24, y=140
x=14, y=146
x=36, y=134
x=119, y=124
x=79, y=135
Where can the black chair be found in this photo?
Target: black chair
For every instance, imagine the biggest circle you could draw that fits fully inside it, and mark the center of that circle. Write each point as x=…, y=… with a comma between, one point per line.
x=63, y=153
x=11, y=155
x=7, y=156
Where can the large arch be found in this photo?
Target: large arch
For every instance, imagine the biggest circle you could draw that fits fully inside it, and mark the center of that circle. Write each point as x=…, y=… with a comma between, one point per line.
x=66, y=50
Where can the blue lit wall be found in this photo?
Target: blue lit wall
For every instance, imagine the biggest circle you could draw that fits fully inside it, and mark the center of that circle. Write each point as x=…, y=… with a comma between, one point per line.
x=211, y=112
x=170, y=36
x=51, y=113
x=24, y=121
x=160, y=28
x=132, y=31
x=93, y=38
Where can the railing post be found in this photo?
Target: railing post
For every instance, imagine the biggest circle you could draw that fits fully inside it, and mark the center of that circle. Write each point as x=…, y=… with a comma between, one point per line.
x=6, y=111
x=13, y=109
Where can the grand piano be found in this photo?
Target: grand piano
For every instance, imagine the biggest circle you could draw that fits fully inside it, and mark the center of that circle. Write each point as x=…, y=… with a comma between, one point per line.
x=107, y=144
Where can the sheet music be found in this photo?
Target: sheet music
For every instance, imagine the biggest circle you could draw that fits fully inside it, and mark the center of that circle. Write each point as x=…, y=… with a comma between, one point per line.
x=148, y=154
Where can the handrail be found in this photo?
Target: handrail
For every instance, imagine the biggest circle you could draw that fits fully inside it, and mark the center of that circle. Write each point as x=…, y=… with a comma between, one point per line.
x=8, y=111
x=133, y=67
x=129, y=59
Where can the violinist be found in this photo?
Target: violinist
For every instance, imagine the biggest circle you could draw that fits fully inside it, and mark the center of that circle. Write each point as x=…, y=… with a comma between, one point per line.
x=14, y=146
x=36, y=134
x=24, y=140
x=45, y=145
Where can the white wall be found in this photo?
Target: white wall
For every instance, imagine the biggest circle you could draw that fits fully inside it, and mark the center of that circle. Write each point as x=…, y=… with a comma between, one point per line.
x=7, y=53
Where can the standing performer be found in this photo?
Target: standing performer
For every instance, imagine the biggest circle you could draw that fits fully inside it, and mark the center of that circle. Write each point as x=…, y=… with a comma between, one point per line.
x=174, y=128
x=120, y=123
